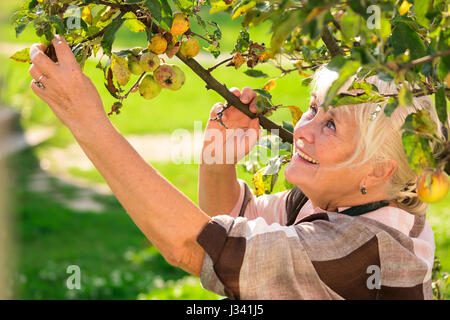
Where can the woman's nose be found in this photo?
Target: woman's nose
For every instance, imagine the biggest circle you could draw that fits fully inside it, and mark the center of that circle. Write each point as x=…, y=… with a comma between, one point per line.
x=304, y=130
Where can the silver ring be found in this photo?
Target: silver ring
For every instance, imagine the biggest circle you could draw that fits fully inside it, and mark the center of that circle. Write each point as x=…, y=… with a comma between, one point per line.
x=39, y=83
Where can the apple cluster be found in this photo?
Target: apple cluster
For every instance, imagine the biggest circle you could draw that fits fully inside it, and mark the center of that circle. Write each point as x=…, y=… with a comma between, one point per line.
x=142, y=60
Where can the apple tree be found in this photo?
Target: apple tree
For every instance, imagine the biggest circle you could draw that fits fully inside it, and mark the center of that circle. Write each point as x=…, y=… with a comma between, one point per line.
x=405, y=42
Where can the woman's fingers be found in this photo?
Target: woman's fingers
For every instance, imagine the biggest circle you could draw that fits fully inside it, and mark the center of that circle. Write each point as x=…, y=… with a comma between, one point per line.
x=253, y=108
x=247, y=95
x=216, y=108
x=45, y=65
x=63, y=52
x=236, y=91
x=34, y=72
x=40, y=92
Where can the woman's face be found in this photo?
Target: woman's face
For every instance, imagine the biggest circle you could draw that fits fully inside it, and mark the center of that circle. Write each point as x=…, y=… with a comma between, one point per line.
x=329, y=138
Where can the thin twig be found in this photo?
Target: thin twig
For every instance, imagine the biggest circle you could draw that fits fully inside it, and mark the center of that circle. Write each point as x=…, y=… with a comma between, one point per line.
x=219, y=64
x=134, y=85
x=200, y=36
x=101, y=32
x=424, y=59
x=222, y=62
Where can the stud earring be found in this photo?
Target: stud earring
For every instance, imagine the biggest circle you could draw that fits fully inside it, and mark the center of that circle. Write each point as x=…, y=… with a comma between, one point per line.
x=363, y=190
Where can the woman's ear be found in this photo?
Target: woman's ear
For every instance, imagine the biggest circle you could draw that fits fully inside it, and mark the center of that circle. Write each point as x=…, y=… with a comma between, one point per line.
x=381, y=173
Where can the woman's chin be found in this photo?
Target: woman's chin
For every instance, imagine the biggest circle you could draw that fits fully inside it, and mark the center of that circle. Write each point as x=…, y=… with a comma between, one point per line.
x=296, y=172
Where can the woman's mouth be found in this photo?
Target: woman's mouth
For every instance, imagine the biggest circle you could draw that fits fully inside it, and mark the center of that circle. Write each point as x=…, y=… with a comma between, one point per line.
x=302, y=157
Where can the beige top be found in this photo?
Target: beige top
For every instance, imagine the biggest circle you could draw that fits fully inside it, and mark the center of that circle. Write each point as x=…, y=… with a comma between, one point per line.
x=387, y=253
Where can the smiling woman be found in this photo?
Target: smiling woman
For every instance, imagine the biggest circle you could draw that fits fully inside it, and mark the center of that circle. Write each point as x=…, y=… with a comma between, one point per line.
x=320, y=240
x=352, y=228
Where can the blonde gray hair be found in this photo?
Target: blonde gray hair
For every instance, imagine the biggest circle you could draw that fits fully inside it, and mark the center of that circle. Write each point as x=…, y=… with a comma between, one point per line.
x=380, y=136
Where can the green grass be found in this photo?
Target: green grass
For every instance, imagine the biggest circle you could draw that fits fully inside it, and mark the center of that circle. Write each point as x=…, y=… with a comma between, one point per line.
x=115, y=259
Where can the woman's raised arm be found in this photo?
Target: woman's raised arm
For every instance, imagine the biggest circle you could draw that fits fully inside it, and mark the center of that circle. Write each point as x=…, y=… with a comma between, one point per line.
x=218, y=187
x=169, y=219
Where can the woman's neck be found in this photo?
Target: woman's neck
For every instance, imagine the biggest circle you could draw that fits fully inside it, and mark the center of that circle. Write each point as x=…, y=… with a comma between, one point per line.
x=329, y=206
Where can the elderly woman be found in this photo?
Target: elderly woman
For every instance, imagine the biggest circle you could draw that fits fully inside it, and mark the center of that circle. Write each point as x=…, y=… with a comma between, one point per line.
x=353, y=228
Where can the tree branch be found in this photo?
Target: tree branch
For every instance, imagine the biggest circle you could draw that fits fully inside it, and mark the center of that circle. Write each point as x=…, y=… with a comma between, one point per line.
x=330, y=42
x=219, y=64
x=101, y=32
x=199, y=35
x=221, y=89
x=424, y=59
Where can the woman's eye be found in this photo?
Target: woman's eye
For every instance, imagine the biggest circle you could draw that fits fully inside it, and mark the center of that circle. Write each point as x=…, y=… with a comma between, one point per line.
x=333, y=126
x=313, y=109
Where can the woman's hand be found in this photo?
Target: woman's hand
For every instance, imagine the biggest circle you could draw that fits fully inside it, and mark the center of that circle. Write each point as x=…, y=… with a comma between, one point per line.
x=66, y=89
x=229, y=146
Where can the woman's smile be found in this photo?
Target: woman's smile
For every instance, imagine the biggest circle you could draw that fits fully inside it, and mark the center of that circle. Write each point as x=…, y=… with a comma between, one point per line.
x=302, y=155
x=299, y=156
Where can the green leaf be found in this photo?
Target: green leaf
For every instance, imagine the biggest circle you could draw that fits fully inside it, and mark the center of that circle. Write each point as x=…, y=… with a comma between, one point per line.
x=404, y=38
x=184, y=5
x=262, y=103
x=22, y=56
x=110, y=35
x=405, y=97
x=418, y=151
x=385, y=29
x=390, y=107
x=166, y=13
x=443, y=67
x=132, y=22
x=217, y=6
x=215, y=51
x=264, y=93
x=441, y=104
x=350, y=24
x=59, y=24
x=288, y=126
x=283, y=28
x=420, y=123
x=421, y=8
x=19, y=28
x=346, y=68
x=359, y=7
x=307, y=81
x=243, y=42
x=161, y=11
x=345, y=99
x=155, y=9
x=255, y=73
x=242, y=7
x=264, y=180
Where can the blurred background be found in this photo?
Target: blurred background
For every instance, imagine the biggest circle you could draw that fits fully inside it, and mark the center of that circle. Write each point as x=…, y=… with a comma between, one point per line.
x=55, y=208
